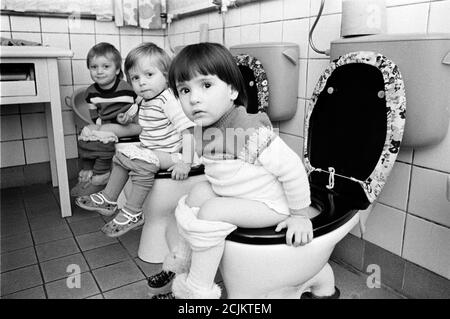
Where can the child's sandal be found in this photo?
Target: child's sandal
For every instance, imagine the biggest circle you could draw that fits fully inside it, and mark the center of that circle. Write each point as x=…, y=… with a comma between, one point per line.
x=97, y=202
x=115, y=228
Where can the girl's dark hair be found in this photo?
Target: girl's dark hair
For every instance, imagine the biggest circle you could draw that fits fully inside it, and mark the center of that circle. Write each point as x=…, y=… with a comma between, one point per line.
x=106, y=49
x=150, y=50
x=207, y=58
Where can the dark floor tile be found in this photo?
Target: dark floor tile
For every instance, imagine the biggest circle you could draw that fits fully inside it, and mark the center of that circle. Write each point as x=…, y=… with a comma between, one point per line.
x=392, y=267
x=32, y=293
x=55, y=249
x=35, y=212
x=38, y=173
x=79, y=214
x=137, y=290
x=94, y=240
x=61, y=289
x=63, y=267
x=51, y=234
x=351, y=250
x=131, y=241
x=421, y=283
x=36, y=190
x=47, y=221
x=87, y=226
x=11, y=229
x=99, y=296
x=16, y=242
x=106, y=255
x=117, y=275
x=10, y=194
x=20, y=279
x=13, y=216
x=18, y=259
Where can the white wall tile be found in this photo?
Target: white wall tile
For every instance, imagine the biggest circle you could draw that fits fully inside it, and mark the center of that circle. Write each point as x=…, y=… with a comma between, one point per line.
x=392, y=3
x=103, y=27
x=408, y=19
x=271, y=32
x=428, y=197
x=233, y=17
x=250, y=13
x=55, y=25
x=250, y=33
x=34, y=125
x=68, y=122
x=28, y=36
x=271, y=10
x=80, y=44
x=232, y=36
x=6, y=34
x=302, y=80
x=81, y=74
x=295, y=125
x=426, y=244
x=109, y=38
x=216, y=36
x=70, y=144
x=435, y=156
x=214, y=20
x=129, y=42
x=294, y=142
x=4, y=22
x=12, y=154
x=315, y=70
x=295, y=9
x=36, y=150
x=65, y=91
x=57, y=40
x=330, y=7
x=29, y=24
x=191, y=38
x=81, y=26
x=327, y=29
x=158, y=32
x=11, y=128
x=384, y=227
x=296, y=31
x=65, y=72
x=439, y=17
x=395, y=191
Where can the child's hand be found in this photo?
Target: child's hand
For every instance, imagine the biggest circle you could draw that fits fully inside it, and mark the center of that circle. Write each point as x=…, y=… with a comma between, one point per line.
x=180, y=170
x=299, y=230
x=123, y=118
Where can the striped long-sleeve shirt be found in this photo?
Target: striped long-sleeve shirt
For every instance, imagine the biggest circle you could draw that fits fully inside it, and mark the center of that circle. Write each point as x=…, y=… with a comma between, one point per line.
x=107, y=104
x=162, y=120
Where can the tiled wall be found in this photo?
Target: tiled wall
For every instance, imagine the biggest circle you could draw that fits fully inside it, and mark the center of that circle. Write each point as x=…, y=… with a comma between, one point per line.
x=23, y=127
x=412, y=216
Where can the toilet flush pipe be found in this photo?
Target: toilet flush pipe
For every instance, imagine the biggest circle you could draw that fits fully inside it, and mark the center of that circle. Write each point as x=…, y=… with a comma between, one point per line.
x=311, y=42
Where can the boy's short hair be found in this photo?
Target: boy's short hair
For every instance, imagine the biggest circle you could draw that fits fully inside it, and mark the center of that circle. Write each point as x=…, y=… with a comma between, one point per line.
x=106, y=49
x=207, y=58
x=148, y=49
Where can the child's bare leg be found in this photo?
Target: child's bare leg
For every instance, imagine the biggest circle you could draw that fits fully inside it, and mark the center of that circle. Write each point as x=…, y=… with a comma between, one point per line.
x=120, y=130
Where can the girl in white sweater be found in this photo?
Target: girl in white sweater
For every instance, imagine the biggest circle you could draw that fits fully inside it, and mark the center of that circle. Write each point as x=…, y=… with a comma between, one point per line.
x=254, y=179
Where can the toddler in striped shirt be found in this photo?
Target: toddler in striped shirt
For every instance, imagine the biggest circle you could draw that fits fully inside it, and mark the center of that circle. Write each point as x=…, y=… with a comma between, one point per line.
x=166, y=142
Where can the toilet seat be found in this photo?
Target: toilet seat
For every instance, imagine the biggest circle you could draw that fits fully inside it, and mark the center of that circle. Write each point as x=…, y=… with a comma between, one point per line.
x=337, y=120
x=256, y=83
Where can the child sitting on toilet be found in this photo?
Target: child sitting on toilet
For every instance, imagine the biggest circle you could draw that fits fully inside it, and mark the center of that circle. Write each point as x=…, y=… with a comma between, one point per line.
x=165, y=132
x=109, y=98
x=254, y=179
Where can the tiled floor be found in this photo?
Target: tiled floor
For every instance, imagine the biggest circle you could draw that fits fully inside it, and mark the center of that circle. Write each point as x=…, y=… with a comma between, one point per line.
x=41, y=252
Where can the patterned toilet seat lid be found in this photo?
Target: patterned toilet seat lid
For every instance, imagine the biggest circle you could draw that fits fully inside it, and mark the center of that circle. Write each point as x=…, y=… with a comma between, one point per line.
x=394, y=90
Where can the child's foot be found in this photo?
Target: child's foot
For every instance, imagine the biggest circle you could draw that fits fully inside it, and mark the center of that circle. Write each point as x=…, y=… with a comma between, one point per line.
x=160, y=279
x=122, y=223
x=100, y=179
x=85, y=175
x=97, y=202
x=169, y=295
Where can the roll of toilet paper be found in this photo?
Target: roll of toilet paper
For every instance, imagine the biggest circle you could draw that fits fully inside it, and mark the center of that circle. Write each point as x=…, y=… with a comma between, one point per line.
x=363, y=17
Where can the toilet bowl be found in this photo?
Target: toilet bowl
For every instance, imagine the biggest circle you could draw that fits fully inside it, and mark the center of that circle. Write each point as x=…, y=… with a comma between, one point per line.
x=353, y=129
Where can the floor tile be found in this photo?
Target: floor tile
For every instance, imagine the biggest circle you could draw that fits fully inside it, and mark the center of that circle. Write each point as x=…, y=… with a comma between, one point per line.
x=86, y=226
x=59, y=268
x=79, y=214
x=46, y=222
x=106, y=255
x=131, y=241
x=32, y=293
x=94, y=240
x=51, y=234
x=61, y=290
x=117, y=275
x=137, y=290
x=20, y=279
x=15, y=242
x=421, y=283
x=11, y=229
x=148, y=268
x=55, y=249
x=51, y=209
x=18, y=259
